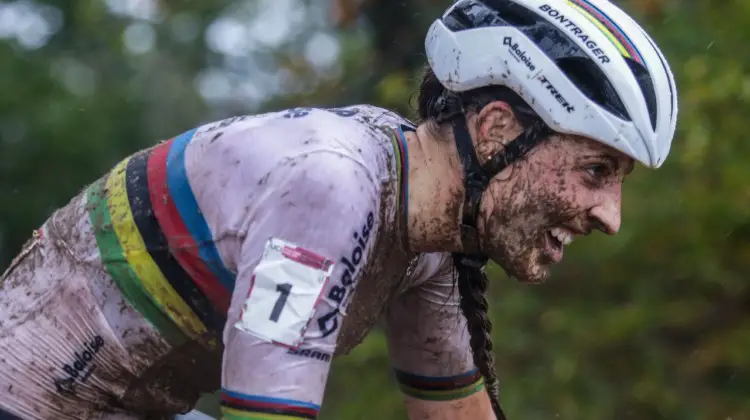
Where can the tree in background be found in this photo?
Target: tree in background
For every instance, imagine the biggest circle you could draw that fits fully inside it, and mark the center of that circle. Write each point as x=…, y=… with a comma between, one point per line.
x=651, y=324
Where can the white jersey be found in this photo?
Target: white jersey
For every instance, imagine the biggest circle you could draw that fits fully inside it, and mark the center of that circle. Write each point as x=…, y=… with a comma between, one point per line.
x=244, y=254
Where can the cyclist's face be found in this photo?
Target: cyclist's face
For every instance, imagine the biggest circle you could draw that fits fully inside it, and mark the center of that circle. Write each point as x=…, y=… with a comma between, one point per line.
x=566, y=187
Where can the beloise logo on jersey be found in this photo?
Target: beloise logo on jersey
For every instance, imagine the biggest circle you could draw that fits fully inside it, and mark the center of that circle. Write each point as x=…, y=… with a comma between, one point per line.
x=80, y=368
x=328, y=323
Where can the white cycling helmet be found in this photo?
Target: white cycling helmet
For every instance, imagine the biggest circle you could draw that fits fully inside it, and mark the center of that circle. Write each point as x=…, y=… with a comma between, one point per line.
x=584, y=66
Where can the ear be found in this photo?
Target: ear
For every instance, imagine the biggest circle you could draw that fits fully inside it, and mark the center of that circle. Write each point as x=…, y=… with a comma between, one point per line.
x=492, y=128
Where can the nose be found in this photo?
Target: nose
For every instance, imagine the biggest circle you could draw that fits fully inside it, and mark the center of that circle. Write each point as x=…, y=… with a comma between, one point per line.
x=607, y=212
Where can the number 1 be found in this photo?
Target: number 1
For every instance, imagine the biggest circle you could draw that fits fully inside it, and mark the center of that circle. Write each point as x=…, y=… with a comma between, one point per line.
x=283, y=290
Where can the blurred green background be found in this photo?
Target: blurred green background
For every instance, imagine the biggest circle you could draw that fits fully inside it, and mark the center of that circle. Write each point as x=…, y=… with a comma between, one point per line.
x=651, y=324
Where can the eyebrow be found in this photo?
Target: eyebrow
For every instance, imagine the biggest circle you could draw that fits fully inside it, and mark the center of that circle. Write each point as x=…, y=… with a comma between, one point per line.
x=616, y=163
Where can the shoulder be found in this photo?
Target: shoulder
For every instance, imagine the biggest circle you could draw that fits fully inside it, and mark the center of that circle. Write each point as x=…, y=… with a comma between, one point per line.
x=322, y=120
x=359, y=131
x=361, y=113
x=326, y=175
x=342, y=143
x=315, y=199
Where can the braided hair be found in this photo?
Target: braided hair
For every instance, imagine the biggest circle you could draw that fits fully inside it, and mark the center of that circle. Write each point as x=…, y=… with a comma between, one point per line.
x=472, y=289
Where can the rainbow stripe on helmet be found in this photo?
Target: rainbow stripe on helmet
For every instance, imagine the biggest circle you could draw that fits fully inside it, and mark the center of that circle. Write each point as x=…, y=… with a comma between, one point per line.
x=609, y=28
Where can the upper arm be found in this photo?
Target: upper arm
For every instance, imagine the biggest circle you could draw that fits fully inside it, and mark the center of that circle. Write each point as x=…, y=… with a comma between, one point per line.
x=429, y=342
x=326, y=205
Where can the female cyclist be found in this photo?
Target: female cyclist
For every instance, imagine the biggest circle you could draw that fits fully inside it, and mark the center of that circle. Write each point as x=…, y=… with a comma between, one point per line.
x=246, y=253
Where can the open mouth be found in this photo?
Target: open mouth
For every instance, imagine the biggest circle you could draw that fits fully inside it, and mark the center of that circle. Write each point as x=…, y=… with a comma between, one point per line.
x=557, y=238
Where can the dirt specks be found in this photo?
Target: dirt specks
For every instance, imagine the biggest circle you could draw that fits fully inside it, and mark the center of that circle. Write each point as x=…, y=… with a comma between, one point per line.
x=264, y=179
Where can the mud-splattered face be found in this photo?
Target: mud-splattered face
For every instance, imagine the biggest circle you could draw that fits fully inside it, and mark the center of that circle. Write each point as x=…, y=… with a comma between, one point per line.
x=566, y=187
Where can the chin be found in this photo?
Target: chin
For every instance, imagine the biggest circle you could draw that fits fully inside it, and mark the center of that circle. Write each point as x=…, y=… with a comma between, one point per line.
x=537, y=276
x=527, y=273
x=521, y=260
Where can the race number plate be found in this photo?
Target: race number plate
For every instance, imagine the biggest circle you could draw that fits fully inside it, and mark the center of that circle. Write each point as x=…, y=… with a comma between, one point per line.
x=286, y=285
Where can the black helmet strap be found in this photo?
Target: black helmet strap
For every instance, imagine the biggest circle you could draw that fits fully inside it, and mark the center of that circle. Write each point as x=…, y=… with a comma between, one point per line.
x=477, y=177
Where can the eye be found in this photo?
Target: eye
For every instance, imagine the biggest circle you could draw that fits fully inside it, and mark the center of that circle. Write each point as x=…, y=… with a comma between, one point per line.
x=598, y=170
x=598, y=174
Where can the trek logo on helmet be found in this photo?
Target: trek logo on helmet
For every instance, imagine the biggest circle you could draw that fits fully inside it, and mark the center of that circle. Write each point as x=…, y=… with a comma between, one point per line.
x=518, y=53
x=556, y=94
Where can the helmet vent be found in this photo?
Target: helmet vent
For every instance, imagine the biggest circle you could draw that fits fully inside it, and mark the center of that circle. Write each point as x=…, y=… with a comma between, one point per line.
x=647, y=87
x=477, y=14
x=592, y=82
x=512, y=13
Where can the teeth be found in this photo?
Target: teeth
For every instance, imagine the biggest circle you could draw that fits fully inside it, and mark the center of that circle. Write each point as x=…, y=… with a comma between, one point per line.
x=562, y=235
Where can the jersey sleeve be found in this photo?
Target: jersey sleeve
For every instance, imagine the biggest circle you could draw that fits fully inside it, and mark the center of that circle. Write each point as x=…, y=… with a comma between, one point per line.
x=299, y=262
x=428, y=339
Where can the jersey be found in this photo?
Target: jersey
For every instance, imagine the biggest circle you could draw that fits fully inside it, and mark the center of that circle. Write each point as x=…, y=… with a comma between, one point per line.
x=242, y=254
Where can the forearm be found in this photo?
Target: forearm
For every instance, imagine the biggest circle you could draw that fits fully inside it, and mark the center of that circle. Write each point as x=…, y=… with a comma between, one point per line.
x=474, y=407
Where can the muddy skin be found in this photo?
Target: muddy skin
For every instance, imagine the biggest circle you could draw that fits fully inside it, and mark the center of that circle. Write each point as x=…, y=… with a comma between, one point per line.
x=536, y=193
x=438, y=234
x=549, y=188
x=443, y=235
x=455, y=211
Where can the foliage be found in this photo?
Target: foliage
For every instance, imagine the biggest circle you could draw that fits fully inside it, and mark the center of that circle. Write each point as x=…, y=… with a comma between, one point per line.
x=651, y=324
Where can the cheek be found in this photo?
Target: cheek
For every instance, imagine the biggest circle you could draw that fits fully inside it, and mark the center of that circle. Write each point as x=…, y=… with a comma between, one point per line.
x=533, y=199
x=558, y=196
x=571, y=194
x=509, y=205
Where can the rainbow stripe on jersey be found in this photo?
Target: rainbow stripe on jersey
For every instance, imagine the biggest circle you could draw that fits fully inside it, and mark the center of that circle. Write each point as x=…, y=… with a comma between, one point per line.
x=401, y=156
x=238, y=406
x=156, y=245
x=440, y=388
